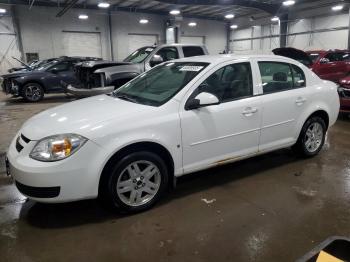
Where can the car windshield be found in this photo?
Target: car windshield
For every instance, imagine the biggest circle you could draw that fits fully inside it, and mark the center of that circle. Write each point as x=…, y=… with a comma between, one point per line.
x=139, y=55
x=46, y=66
x=313, y=57
x=160, y=84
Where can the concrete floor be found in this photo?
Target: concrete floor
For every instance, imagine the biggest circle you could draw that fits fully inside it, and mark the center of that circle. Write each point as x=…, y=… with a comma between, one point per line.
x=274, y=207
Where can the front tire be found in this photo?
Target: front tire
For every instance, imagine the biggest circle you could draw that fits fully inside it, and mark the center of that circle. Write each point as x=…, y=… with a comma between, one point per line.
x=135, y=182
x=32, y=92
x=311, y=138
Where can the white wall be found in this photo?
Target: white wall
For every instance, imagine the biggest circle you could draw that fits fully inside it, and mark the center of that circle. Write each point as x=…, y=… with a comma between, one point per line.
x=214, y=33
x=124, y=23
x=255, y=46
x=41, y=30
x=8, y=44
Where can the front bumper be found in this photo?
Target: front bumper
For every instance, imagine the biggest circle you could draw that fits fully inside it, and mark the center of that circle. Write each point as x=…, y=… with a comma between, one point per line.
x=71, y=179
x=85, y=92
x=9, y=87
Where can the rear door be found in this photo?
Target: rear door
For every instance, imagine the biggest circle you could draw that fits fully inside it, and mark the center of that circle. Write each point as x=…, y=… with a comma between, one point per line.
x=283, y=100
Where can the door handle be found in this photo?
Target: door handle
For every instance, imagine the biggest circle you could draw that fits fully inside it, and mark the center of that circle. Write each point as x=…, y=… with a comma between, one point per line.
x=300, y=100
x=249, y=111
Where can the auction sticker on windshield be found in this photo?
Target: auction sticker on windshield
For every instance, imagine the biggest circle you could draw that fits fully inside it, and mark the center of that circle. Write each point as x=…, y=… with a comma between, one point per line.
x=191, y=68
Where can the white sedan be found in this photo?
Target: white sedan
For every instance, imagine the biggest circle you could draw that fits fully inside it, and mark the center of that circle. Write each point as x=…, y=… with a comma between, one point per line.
x=182, y=116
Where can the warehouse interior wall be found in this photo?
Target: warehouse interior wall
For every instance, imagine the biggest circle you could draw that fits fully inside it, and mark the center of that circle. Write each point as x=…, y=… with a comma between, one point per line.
x=310, y=33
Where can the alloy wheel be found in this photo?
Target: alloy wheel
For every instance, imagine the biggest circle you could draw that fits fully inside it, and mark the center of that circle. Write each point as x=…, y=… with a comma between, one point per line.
x=33, y=93
x=138, y=183
x=313, y=137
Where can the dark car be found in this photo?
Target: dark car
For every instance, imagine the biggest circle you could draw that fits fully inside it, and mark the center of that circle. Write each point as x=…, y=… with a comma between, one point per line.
x=330, y=65
x=31, y=84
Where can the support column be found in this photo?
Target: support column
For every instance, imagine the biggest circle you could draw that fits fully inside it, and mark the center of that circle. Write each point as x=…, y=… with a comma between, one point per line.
x=110, y=34
x=17, y=32
x=283, y=30
x=349, y=32
x=228, y=37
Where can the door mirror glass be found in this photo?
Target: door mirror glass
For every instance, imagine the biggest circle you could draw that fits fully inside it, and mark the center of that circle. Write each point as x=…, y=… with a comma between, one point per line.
x=324, y=61
x=156, y=60
x=54, y=70
x=201, y=100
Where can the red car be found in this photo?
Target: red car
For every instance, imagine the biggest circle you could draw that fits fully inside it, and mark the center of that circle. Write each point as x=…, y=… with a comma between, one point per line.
x=330, y=65
x=344, y=93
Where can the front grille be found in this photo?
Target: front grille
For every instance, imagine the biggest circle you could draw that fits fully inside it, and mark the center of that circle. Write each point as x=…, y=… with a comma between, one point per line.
x=6, y=85
x=19, y=147
x=87, y=78
x=39, y=192
x=25, y=139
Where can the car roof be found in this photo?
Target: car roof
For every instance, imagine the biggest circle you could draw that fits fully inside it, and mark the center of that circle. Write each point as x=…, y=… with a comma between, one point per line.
x=216, y=59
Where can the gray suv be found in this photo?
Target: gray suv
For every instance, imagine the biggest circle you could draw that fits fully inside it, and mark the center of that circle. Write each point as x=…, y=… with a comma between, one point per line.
x=98, y=77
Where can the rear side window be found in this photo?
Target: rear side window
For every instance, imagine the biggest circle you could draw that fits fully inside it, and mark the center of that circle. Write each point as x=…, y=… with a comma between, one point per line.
x=192, y=51
x=335, y=57
x=278, y=77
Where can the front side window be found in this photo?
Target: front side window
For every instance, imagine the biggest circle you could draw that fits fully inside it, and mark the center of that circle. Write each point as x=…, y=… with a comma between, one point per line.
x=160, y=84
x=168, y=53
x=229, y=83
x=63, y=66
x=139, y=55
x=278, y=77
x=335, y=57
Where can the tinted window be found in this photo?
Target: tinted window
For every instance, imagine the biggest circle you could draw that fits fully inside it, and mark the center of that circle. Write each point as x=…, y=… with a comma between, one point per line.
x=298, y=77
x=229, y=83
x=314, y=57
x=277, y=77
x=168, y=53
x=335, y=57
x=63, y=66
x=160, y=84
x=192, y=51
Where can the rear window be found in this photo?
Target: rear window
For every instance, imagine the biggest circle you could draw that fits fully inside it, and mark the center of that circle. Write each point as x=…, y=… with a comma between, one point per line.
x=314, y=57
x=192, y=51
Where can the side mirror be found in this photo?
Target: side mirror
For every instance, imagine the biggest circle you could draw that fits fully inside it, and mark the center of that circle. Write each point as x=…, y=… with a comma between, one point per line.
x=324, y=61
x=54, y=70
x=201, y=100
x=156, y=60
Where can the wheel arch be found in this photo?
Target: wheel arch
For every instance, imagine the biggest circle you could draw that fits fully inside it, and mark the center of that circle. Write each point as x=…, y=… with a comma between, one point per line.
x=35, y=82
x=135, y=147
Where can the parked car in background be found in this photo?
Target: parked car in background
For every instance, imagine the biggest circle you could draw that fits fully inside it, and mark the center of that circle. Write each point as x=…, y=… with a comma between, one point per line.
x=105, y=76
x=31, y=84
x=344, y=93
x=330, y=65
x=183, y=116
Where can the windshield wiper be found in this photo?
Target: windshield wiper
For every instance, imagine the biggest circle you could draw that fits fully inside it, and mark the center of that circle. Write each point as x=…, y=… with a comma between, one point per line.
x=125, y=97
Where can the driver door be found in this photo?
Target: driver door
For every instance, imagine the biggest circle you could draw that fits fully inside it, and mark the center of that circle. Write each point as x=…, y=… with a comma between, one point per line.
x=61, y=72
x=217, y=134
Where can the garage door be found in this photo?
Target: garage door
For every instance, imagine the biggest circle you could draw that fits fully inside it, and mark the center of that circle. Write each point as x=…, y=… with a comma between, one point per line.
x=199, y=40
x=136, y=41
x=82, y=44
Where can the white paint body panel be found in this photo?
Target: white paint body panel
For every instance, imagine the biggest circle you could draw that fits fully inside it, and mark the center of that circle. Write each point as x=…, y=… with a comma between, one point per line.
x=196, y=139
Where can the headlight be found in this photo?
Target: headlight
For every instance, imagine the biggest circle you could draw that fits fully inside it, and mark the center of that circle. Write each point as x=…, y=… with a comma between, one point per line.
x=58, y=147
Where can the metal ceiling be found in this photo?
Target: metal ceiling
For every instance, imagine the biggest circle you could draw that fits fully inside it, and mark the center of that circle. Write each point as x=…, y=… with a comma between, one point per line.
x=210, y=9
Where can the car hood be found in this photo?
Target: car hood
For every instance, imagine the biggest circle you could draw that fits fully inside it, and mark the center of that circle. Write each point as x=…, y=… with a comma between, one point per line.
x=295, y=54
x=22, y=73
x=82, y=117
x=126, y=67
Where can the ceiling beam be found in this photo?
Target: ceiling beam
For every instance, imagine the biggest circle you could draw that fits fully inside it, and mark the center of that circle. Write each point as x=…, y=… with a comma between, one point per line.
x=268, y=8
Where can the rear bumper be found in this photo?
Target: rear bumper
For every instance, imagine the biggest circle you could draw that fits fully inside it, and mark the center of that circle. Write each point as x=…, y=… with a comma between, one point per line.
x=84, y=92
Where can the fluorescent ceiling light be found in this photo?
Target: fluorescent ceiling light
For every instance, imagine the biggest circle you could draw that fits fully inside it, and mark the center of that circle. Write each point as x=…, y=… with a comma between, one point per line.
x=175, y=12
x=103, y=5
x=192, y=24
x=288, y=3
x=234, y=26
x=337, y=7
x=84, y=17
x=229, y=16
x=2, y=11
x=143, y=21
x=275, y=19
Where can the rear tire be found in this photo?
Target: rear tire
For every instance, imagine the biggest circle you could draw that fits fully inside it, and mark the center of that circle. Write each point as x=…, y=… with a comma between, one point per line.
x=32, y=92
x=135, y=182
x=311, y=138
